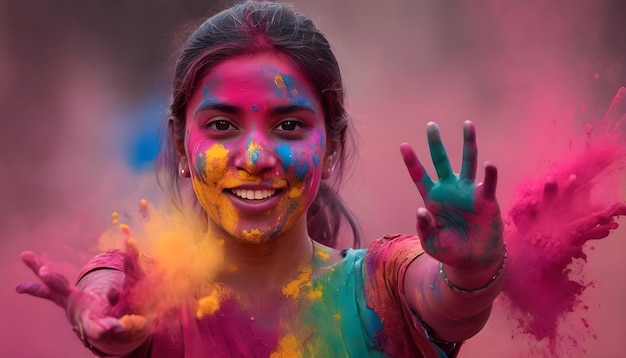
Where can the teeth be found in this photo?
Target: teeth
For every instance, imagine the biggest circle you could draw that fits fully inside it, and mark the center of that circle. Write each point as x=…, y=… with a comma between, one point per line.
x=253, y=194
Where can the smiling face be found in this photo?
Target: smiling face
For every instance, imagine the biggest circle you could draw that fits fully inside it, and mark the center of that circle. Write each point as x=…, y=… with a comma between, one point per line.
x=255, y=142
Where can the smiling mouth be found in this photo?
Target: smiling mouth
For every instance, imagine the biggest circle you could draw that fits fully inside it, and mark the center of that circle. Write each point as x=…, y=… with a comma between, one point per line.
x=249, y=194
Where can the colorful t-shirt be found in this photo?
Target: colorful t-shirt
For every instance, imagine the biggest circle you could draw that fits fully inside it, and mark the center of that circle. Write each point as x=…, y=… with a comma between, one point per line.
x=355, y=308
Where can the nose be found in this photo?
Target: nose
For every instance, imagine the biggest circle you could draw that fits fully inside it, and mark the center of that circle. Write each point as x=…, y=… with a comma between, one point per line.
x=255, y=158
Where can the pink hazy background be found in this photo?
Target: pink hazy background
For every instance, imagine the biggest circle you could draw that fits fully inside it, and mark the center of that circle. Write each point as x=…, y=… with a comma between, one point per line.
x=76, y=77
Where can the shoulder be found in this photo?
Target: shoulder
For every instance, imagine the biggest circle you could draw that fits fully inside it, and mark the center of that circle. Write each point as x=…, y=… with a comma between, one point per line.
x=394, y=247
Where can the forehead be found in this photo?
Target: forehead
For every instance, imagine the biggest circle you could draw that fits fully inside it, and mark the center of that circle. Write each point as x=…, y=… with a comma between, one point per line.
x=263, y=71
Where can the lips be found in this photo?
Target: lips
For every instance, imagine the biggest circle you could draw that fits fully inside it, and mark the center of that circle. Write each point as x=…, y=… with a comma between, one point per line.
x=254, y=201
x=250, y=194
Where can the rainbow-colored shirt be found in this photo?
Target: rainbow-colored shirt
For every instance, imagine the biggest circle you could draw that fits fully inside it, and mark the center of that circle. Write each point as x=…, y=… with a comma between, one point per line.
x=355, y=308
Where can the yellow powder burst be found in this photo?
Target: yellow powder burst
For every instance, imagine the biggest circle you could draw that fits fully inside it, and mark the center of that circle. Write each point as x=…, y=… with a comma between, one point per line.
x=180, y=260
x=208, y=305
x=125, y=229
x=292, y=289
x=288, y=347
x=133, y=323
x=279, y=82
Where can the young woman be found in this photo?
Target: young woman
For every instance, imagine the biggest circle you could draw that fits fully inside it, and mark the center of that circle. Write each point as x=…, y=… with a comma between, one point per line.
x=257, y=127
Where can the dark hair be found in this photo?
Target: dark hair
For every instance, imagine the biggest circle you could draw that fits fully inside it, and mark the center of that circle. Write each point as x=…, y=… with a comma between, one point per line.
x=248, y=28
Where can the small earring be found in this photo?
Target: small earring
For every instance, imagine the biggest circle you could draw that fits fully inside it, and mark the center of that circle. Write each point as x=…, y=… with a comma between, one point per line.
x=183, y=168
x=330, y=161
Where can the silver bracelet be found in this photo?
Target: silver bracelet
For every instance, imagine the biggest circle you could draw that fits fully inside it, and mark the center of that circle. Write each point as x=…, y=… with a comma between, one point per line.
x=80, y=332
x=475, y=290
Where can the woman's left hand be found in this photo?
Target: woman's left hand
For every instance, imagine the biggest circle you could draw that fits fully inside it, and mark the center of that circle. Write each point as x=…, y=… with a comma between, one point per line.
x=461, y=225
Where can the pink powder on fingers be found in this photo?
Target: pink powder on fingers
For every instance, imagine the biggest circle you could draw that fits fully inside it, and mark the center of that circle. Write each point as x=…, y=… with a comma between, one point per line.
x=548, y=226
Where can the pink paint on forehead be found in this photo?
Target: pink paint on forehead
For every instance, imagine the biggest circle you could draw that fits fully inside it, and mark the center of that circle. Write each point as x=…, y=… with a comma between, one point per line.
x=242, y=81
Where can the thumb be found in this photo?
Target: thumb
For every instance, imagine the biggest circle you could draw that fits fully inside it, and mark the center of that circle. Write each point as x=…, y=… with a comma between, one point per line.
x=425, y=225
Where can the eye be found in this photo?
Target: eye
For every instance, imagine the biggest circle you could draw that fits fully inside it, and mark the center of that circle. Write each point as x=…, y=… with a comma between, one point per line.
x=221, y=125
x=289, y=125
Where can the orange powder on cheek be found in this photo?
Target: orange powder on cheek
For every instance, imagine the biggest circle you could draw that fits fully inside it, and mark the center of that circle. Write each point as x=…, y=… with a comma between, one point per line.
x=209, y=190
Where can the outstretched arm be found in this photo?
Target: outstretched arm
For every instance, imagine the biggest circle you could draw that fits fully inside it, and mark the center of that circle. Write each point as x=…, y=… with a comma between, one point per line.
x=97, y=307
x=451, y=289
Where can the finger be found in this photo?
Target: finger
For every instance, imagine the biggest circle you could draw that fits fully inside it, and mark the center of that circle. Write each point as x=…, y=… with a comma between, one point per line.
x=550, y=189
x=33, y=289
x=490, y=182
x=618, y=209
x=133, y=323
x=425, y=227
x=470, y=152
x=596, y=233
x=113, y=295
x=94, y=329
x=615, y=114
x=416, y=170
x=571, y=184
x=132, y=264
x=54, y=281
x=32, y=260
x=438, y=152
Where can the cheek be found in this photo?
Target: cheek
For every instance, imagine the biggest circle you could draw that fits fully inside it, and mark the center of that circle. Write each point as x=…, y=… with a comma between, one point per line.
x=210, y=162
x=301, y=159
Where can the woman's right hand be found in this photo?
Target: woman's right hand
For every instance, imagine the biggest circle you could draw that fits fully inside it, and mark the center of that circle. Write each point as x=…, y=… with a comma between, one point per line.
x=99, y=312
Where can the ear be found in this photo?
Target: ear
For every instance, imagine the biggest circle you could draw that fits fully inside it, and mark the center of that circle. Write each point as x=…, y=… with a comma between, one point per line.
x=330, y=161
x=183, y=168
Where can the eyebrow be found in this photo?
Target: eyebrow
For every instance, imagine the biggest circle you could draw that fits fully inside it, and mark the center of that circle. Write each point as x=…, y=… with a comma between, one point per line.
x=291, y=108
x=212, y=104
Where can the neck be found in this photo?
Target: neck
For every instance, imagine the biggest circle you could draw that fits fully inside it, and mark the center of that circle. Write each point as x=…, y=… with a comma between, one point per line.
x=268, y=266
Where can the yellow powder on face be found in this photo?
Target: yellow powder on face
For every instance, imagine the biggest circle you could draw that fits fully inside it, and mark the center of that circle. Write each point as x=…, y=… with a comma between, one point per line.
x=253, y=235
x=292, y=289
x=288, y=347
x=208, y=305
x=115, y=222
x=279, y=82
x=295, y=192
x=253, y=151
x=115, y=215
x=209, y=194
x=337, y=316
x=216, y=155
